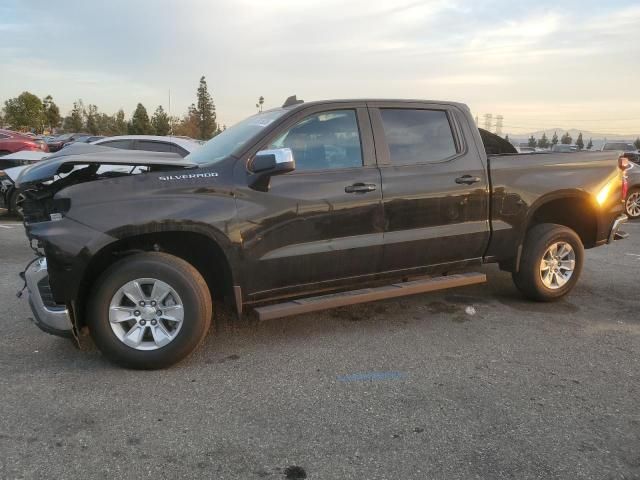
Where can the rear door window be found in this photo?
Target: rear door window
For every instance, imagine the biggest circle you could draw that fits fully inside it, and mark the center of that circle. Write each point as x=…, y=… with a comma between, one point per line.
x=417, y=136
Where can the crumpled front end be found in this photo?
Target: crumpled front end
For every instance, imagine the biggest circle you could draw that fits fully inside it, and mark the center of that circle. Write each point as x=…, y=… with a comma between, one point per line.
x=49, y=316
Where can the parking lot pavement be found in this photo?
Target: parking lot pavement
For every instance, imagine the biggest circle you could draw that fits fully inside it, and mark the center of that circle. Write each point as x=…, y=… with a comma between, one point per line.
x=404, y=389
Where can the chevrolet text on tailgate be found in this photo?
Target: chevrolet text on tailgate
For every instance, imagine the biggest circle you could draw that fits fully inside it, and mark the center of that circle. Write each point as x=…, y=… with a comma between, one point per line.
x=298, y=209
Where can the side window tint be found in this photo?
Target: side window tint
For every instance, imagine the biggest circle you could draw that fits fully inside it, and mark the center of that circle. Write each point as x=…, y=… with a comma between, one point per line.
x=148, y=146
x=323, y=141
x=123, y=144
x=417, y=136
x=179, y=150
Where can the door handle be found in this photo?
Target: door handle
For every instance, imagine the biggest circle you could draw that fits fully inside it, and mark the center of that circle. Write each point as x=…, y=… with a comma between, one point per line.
x=360, y=188
x=467, y=180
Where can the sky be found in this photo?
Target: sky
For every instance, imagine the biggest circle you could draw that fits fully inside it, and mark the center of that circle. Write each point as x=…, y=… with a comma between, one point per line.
x=540, y=64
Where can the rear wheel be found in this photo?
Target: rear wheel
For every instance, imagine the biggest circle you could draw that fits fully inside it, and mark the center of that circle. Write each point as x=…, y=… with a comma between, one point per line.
x=552, y=259
x=632, y=205
x=149, y=311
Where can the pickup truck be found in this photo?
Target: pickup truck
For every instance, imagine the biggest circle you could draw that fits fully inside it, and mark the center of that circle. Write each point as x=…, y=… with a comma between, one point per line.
x=300, y=208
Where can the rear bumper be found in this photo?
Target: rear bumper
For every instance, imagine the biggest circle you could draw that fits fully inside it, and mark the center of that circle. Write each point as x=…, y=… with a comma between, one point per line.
x=48, y=316
x=615, y=233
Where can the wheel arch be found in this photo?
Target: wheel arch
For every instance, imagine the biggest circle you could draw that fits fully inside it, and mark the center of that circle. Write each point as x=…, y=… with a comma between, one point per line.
x=206, y=253
x=574, y=209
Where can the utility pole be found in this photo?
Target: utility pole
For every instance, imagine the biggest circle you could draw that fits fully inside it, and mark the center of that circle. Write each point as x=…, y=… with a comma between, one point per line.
x=170, y=117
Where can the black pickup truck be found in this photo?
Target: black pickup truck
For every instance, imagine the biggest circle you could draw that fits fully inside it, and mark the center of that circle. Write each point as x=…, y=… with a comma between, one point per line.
x=304, y=207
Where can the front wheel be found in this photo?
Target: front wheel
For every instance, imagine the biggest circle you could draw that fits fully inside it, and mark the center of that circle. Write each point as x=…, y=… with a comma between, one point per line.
x=552, y=259
x=632, y=205
x=149, y=311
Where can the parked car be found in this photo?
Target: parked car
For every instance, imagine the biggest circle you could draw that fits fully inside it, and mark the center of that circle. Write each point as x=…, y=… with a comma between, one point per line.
x=297, y=202
x=60, y=141
x=632, y=201
x=526, y=149
x=10, y=167
x=85, y=139
x=629, y=149
x=11, y=142
x=152, y=143
x=563, y=148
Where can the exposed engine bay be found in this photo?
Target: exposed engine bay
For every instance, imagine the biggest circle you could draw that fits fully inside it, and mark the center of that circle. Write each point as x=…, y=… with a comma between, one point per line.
x=38, y=183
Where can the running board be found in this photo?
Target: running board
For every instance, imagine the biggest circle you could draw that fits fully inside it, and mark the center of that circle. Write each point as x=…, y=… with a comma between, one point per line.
x=323, y=302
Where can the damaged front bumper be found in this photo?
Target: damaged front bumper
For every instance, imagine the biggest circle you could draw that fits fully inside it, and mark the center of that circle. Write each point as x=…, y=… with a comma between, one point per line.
x=47, y=315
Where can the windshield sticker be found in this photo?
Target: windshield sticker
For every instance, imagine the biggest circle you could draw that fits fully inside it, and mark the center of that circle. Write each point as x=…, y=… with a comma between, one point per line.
x=188, y=176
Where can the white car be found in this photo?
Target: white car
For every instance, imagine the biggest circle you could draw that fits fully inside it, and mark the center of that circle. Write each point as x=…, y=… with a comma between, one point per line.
x=151, y=143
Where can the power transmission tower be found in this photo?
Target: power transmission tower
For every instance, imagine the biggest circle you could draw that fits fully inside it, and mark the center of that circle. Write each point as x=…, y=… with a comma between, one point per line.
x=499, y=120
x=488, y=121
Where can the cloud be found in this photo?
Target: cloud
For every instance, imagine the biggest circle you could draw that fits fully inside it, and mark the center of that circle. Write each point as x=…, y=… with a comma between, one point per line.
x=494, y=55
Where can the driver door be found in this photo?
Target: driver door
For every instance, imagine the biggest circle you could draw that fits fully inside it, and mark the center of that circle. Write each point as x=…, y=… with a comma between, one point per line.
x=323, y=222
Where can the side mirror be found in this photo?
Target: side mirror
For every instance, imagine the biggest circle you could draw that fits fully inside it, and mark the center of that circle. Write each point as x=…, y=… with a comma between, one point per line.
x=268, y=163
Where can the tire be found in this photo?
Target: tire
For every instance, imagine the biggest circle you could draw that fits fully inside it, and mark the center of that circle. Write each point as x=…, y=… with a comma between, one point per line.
x=135, y=343
x=12, y=204
x=529, y=279
x=632, y=203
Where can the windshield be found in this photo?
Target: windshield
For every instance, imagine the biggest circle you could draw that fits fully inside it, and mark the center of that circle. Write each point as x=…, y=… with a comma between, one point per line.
x=627, y=147
x=226, y=142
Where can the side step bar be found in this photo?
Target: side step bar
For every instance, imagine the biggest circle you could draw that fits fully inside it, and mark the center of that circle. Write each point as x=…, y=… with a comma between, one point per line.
x=323, y=302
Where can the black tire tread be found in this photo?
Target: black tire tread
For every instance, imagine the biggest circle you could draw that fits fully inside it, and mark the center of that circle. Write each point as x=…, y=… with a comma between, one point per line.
x=536, y=242
x=161, y=358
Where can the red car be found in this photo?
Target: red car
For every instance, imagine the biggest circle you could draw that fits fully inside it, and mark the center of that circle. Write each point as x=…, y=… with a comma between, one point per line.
x=11, y=142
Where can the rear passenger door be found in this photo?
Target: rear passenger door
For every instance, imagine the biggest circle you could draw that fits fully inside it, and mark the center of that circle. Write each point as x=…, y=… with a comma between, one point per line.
x=434, y=184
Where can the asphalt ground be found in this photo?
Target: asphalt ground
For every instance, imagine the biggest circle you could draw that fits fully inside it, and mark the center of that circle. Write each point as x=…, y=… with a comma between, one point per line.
x=415, y=388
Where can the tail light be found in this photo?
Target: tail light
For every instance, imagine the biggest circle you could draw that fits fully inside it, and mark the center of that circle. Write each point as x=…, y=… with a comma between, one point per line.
x=624, y=164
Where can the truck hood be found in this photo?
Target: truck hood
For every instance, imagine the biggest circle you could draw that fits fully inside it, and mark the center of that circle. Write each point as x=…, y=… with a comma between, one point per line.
x=66, y=159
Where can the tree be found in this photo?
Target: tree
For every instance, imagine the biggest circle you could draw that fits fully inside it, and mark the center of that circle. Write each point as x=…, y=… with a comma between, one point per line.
x=75, y=121
x=206, y=111
x=260, y=103
x=590, y=145
x=554, y=139
x=189, y=126
x=92, y=120
x=119, y=124
x=140, y=124
x=566, y=139
x=105, y=124
x=580, y=142
x=637, y=143
x=24, y=112
x=544, y=141
x=51, y=113
x=532, y=141
x=160, y=122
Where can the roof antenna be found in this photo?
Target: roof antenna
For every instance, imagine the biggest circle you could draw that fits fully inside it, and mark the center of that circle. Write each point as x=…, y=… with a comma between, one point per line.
x=292, y=100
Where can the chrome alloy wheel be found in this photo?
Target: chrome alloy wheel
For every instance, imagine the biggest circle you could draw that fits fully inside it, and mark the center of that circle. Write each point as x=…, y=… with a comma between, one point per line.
x=633, y=204
x=557, y=265
x=146, y=314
